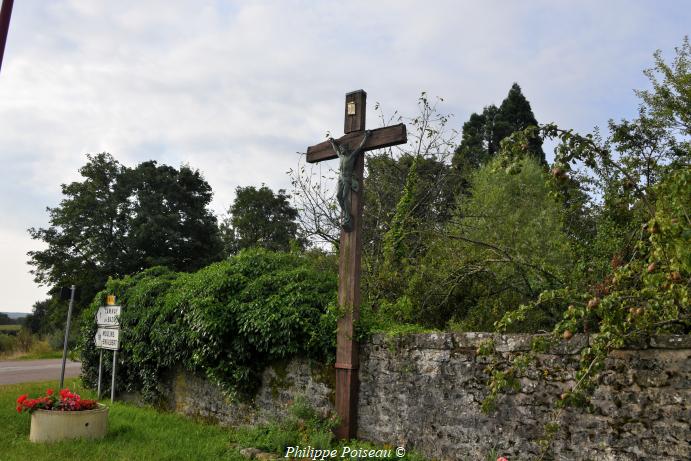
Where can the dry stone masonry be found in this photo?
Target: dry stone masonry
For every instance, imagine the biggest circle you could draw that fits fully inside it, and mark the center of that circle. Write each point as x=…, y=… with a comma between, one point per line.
x=425, y=391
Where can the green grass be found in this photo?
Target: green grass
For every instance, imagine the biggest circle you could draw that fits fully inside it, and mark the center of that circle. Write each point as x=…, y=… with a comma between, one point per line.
x=146, y=434
x=10, y=327
x=40, y=355
x=303, y=427
x=134, y=434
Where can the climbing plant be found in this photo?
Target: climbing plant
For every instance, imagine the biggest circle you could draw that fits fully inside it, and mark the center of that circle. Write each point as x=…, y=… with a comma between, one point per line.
x=227, y=321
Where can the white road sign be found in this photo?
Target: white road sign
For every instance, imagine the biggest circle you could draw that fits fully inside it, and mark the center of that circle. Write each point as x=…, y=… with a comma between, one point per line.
x=107, y=316
x=108, y=338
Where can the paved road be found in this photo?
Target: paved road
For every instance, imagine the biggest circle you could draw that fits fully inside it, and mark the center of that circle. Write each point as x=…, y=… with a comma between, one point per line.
x=27, y=371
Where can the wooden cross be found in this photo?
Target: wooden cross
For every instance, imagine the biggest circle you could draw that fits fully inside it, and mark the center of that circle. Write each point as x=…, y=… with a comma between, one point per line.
x=347, y=360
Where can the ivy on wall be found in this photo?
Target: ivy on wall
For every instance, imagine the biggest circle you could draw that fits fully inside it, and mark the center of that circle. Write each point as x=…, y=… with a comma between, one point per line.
x=227, y=321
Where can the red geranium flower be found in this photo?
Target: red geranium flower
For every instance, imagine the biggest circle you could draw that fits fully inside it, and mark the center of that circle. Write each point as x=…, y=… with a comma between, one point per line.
x=68, y=401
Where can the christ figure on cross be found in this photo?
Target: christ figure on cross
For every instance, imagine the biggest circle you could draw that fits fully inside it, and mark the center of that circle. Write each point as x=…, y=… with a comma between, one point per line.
x=349, y=150
x=347, y=183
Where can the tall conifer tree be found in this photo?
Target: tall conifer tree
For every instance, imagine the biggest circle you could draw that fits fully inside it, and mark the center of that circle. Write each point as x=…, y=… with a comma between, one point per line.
x=483, y=133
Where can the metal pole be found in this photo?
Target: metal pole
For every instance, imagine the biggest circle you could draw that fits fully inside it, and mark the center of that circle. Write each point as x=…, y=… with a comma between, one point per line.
x=67, y=333
x=112, y=384
x=100, y=367
x=5, y=14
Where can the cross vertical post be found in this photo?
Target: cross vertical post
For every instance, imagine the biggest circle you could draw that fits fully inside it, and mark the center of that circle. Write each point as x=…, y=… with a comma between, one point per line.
x=350, y=248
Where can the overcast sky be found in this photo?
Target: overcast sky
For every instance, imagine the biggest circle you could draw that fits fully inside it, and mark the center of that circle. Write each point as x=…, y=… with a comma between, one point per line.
x=235, y=89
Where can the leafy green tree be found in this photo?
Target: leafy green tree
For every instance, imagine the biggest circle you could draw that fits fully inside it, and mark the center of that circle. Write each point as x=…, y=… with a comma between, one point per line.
x=643, y=174
x=86, y=232
x=260, y=218
x=120, y=220
x=168, y=219
x=516, y=114
x=405, y=189
x=5, y=319
x=483, y=133
x=669, y=101
x=505, y=245
x=45, y=316
x=409, y=196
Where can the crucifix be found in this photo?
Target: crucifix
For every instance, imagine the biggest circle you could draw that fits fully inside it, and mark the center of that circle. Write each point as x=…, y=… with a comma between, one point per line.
x=349, y=149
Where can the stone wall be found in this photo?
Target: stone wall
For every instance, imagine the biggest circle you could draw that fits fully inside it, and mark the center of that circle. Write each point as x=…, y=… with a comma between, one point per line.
x=425, y=391
x=281, y=384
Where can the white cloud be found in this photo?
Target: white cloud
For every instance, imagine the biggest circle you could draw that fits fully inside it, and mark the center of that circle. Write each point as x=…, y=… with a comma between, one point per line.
x=19, y=292
x=236, y=88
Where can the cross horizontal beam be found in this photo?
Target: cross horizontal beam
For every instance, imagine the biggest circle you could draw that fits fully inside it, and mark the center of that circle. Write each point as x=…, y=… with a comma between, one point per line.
x=378, y=139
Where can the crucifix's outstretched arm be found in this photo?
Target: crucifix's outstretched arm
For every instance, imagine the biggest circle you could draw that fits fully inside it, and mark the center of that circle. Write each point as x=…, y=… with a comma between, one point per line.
x=364, y=140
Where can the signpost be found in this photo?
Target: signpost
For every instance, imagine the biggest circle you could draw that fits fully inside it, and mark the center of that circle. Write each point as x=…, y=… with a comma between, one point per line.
x=107, y=316
x=108, y=337
x=72, y=291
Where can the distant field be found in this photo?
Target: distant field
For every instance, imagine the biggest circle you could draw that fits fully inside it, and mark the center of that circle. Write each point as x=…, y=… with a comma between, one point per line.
x=15, y=315
x=10, y=327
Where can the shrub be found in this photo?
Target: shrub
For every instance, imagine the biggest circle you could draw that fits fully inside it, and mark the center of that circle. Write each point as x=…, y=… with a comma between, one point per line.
x=504, y=245
x=25, y=340
x=7, y=343
x=302, y=427
x=228, y=320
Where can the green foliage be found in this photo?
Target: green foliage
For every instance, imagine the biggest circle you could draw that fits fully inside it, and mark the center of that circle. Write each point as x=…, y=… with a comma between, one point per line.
x=5, y=319
x=303, y=427
x=43, y=315
x=393, y=319
x=504, y=245
x=395, y=245
x=408, y=198
x=414, y=259
x=10, y=329
x=483, y=133
x=386, y=173
x=134, y=433
x=669, y=101
x=228, y=320
x=118, y=221
x=260, y=218
x=8, y=343
x=643, y=172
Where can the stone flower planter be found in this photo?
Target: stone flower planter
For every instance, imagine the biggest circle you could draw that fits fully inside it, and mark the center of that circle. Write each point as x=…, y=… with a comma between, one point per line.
x=53, y=426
